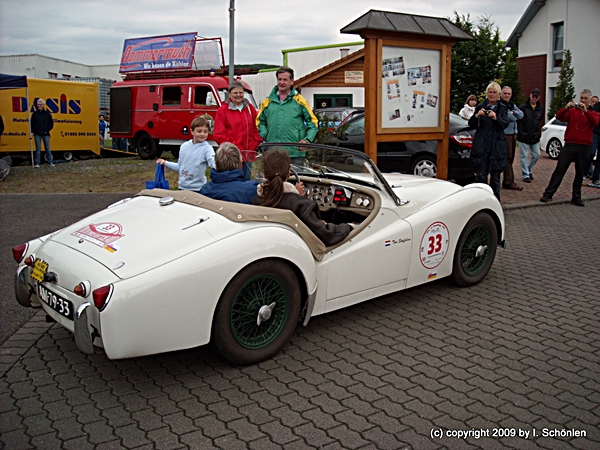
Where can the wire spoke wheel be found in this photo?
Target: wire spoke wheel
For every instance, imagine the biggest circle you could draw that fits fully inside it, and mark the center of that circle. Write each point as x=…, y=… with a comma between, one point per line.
x=258, y=292
x=257, y=312
x=475, y=251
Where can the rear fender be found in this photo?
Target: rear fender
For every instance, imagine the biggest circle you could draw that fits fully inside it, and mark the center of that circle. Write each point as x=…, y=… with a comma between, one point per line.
x=171, y=307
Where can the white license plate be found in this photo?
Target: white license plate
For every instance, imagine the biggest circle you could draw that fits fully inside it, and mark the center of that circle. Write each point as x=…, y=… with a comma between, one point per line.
x=62, y=306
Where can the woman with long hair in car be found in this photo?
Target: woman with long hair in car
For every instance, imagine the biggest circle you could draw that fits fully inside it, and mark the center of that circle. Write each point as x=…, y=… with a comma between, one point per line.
x=277, y=192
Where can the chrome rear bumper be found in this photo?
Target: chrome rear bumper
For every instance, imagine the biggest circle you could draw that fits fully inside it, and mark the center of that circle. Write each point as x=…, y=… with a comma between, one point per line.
x=83, y=338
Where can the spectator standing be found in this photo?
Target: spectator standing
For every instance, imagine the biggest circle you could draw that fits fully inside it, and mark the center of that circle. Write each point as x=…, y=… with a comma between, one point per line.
x=277, y=192
x=488, y=154
x=578, y=138
x=467, y=111
x=195, y=156
x=41, y=125
x=227, y=180
x=102, y=127
x=510, y=136
x=529, y=133
x=594, y=151
x=286, y=116
x=235, y=122
x=1, y=129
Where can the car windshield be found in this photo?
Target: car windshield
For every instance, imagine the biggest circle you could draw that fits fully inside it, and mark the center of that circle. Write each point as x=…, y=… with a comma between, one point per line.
x=333, y=163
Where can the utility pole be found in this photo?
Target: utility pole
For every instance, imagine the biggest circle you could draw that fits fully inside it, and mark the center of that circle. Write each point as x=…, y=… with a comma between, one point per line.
x=231, y=39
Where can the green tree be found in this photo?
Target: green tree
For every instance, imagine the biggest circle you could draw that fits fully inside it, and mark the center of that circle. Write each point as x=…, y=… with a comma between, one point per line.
x=510, y=76
x=564, y=91
x=475, y=63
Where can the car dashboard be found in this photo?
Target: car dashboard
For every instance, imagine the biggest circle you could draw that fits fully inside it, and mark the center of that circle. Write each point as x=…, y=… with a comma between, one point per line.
x=339, y=199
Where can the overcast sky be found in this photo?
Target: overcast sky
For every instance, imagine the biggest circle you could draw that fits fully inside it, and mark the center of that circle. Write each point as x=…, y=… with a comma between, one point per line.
x=92, y=32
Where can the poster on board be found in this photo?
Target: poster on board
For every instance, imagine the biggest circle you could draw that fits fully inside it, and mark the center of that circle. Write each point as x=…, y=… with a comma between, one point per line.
x=410, y=87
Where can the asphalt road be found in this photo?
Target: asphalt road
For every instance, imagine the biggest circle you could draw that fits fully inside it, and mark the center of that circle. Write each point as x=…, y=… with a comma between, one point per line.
x=27, y=216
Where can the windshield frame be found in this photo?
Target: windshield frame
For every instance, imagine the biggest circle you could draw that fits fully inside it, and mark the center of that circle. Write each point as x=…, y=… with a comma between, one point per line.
x=326, y=172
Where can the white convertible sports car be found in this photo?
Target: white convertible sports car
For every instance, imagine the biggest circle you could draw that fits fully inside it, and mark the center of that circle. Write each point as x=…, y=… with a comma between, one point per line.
x=243, y=276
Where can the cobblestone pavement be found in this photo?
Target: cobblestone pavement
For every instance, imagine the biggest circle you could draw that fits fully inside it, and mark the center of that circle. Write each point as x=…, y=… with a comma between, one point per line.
x=506, y=361
x=532, y=192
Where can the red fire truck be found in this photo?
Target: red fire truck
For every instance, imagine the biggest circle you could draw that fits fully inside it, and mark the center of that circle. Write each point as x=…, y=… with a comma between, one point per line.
x=155, y=113
x=168, y=81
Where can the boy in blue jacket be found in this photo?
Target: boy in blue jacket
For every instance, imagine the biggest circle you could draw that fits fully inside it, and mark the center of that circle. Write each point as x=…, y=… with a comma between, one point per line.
x=227, y=181
x=195, y=156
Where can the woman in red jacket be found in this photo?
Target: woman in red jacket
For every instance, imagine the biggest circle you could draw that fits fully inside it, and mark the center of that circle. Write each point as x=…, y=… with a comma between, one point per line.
x=236, y=123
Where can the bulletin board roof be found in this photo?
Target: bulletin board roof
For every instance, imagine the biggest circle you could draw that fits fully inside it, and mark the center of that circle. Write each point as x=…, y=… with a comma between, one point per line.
x=406, y=23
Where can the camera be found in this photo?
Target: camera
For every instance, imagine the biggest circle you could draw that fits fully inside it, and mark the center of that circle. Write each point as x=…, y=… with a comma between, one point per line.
x=576, y=105
x=486, y=111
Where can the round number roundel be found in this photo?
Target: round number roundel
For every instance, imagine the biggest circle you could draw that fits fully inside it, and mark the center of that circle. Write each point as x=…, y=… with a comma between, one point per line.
x=434, y=245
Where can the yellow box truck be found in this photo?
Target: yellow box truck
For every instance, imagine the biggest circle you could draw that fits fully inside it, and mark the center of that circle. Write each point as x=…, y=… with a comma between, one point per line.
x=74, y=109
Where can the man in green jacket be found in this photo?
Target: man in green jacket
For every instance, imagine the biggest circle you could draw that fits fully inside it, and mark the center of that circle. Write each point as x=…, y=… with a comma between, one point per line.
x=286, y=116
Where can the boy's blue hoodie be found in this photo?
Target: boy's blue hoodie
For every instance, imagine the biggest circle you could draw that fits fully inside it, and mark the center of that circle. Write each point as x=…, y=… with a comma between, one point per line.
x=193, y=161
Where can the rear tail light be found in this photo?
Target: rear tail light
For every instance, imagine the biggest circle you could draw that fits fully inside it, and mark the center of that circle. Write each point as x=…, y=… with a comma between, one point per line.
x=101, y=296
x=29, y=261
x=82, y=289
x=19, y=251
x=463, y=140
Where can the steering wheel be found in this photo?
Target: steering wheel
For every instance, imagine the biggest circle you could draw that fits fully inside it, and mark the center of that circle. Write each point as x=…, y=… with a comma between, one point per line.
x=294, y=173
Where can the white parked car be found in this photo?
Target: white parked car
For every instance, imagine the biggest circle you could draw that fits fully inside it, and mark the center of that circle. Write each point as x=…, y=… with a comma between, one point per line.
x=243, y=276
x=553, y=137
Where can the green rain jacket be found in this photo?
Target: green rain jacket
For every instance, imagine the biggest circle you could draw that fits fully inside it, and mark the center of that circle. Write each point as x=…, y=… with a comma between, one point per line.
x=289, y=121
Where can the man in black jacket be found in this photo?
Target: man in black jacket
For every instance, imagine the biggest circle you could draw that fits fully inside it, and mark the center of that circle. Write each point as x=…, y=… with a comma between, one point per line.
x=529, y=133
x=41, y=124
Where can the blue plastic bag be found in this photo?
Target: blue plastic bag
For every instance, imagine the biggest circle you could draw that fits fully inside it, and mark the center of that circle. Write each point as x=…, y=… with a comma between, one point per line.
x=160, y=182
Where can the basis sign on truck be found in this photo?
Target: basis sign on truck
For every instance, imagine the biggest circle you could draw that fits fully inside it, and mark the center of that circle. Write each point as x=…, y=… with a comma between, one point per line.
x=74, y=109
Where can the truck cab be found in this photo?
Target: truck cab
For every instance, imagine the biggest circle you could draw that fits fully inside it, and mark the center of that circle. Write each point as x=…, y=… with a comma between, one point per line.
x=156, y=113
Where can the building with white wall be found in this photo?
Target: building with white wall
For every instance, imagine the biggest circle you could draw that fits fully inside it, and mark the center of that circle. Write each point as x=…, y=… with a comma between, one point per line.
x=39, y=66
x=303, y=61
x=546, y=29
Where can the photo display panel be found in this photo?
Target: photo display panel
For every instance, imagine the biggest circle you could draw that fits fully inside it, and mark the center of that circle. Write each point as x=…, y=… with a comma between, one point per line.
x=410, y=87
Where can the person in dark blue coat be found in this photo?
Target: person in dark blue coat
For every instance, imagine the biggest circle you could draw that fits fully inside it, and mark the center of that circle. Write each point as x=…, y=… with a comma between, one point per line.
x=41, y=125
x=227, y=181
x=488, y=154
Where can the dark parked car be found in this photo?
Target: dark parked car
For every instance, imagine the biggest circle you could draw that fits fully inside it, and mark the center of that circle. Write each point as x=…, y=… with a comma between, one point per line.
x=339, y=114
x=416, y=157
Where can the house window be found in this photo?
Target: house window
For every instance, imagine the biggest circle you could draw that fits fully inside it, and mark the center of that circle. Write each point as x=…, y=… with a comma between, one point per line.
x=66, y=76
x=558, y=44
x=52, y=75
x=332, y=100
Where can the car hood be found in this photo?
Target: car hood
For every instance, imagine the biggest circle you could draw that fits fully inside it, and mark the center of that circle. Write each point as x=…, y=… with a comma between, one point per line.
x=139, y=235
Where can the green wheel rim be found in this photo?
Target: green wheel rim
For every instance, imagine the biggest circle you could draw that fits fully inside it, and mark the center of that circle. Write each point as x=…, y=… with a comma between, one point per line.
x=470, y=262
x=257, y=292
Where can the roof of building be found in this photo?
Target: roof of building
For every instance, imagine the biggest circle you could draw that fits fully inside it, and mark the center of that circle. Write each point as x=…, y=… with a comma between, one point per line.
x=530, y=12
x=406, y=23
x=329, y=68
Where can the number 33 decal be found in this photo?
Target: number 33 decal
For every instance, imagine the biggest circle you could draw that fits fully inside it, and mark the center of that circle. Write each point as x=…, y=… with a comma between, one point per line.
x=434, y=245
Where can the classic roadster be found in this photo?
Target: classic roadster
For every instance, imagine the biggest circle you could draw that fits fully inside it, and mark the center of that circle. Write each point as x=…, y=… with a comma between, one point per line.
x=242, y=276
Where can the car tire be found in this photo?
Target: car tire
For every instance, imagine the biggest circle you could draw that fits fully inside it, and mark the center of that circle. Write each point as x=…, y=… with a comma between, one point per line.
x=147, y=147
x=236, y=334
x=553, y=148
x=475, y=251
x=424, y=166
x=67, y=156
